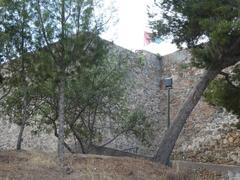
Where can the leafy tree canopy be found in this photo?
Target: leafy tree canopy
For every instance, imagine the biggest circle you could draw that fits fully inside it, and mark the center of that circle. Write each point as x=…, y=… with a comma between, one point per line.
x=193, y=22
x=211, y=30
x=225, y=92
x=60, y=67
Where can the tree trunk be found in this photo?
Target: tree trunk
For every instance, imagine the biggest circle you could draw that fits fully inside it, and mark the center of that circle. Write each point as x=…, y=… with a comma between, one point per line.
x=23, y=121
x=61, y=122
x=171, y=136
x=24, y=88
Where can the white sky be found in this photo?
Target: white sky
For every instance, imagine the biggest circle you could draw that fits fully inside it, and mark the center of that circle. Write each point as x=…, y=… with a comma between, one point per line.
x=132, y=22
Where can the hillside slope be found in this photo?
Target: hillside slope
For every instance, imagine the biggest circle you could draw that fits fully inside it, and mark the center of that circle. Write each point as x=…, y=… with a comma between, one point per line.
x=33, y=165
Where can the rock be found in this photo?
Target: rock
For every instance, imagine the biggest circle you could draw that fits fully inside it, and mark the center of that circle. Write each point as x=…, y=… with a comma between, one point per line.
x=237, y=140
x=230, y=139
x=225, y=141
x=234, y=134
x=224, y=154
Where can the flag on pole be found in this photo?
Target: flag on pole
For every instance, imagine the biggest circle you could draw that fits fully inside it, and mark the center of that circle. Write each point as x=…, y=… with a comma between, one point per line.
x=147, y=38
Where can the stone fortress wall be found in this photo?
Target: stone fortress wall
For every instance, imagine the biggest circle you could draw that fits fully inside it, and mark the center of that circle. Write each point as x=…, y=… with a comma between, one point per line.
x=207, y=136
x=144, y=73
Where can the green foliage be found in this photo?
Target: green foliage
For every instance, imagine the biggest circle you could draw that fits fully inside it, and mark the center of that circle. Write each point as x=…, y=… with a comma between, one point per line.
x=226, y=95
x=141, y=60
x=139, y=125
x=12, y=104
x=211, y=30
x=193, y=22
x=17, y=36
x=15, y=29
x=159, y=56
x=184, y=66
x=45, y=43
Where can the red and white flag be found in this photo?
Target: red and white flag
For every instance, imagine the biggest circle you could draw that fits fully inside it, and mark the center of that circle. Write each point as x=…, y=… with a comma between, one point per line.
x=147, y=38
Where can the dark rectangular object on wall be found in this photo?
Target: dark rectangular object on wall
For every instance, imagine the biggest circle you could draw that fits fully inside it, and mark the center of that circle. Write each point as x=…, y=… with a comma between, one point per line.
x=168, y=82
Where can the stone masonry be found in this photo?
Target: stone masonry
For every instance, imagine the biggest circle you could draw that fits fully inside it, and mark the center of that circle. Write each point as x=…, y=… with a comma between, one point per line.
x=208, y=135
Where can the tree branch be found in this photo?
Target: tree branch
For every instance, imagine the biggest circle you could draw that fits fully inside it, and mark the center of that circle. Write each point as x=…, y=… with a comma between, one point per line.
x=4, y=95
x=227, y=78
x=235, y=45
x=113, y=139
x=53, y=121
x=44, y=31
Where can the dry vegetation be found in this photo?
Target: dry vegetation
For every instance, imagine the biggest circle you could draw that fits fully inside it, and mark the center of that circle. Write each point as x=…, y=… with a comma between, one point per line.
x=25, y=165
x=40, y=166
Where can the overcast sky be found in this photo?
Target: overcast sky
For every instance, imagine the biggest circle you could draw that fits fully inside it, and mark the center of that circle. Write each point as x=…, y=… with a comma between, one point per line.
x=132, y=22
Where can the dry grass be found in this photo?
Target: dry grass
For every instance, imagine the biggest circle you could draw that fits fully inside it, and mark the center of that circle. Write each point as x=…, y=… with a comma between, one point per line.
x=42, y=159
x=40, y=166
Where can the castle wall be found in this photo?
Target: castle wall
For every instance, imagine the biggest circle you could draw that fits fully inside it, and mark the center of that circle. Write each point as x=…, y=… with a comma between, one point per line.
x=143, y=72
x=207, y=135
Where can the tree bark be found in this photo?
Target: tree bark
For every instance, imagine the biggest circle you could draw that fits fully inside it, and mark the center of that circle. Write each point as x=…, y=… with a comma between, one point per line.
x=24, y=85
x=23, y=121
x=61, y=122
x=168, y=142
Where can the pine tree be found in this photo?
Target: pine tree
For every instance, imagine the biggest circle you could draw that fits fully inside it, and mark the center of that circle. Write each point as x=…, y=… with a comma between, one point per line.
x=16, y=34
x=69, y=30
x=191, y=22
x=225, y=92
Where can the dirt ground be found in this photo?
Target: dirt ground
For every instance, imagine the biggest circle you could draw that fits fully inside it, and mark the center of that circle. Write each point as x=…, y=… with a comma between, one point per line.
x=25, y=165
